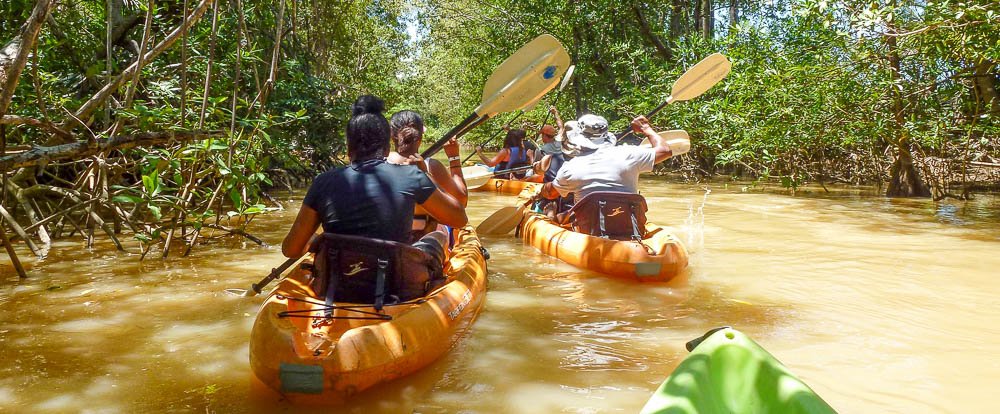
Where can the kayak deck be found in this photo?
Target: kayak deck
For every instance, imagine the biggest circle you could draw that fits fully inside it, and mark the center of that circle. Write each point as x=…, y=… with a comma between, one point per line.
x=730, y=373
x=659, y=258
x=325, y=361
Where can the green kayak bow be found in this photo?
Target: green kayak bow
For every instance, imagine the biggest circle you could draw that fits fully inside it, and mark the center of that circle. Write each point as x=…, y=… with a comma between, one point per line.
x=727, y=372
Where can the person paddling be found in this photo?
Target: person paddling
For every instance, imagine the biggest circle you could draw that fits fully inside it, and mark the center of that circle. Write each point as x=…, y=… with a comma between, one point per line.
x=608, y=173
x=407, y=128
x=514, y=154
x=371, y=197
x=549, y=157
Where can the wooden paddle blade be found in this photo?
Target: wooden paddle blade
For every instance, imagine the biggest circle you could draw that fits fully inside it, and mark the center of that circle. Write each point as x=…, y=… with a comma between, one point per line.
x=476, y=175
x=502, y=221
x=677, y=139
x=525, y=76
x=701, y=77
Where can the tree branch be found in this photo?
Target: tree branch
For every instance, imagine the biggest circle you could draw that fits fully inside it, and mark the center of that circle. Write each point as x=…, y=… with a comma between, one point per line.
x=24, y=43
x=38, y=123
x=41, y=155
x=647, y=33
x=88, y=108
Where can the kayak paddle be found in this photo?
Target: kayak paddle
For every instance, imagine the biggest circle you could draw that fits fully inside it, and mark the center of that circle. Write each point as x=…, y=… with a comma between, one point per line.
x=495, y=135
x=700, y=78
x=478, y=171
x=565, y=80
x=256, y=288
x=483, y=172
x=677, y=139
x=519, y=81
x=501, y=221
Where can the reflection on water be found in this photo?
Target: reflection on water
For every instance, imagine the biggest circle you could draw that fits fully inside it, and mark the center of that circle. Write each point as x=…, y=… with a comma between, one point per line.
x=880, y=305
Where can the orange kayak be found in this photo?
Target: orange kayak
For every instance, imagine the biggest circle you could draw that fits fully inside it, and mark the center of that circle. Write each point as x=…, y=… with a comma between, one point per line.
x=659, y=257
x=502, y=186
x=320, y=361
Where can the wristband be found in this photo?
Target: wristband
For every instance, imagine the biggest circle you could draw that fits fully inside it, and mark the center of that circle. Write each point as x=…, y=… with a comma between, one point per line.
x=455, y=158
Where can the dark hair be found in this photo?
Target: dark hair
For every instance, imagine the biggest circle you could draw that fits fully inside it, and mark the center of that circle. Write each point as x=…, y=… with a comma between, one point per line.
x=367, y=104
x=515, y=138
x=368, y=130
x=407, y=131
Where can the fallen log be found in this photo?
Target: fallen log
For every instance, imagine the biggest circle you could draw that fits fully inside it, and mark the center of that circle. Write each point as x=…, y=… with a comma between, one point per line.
x=42, y=155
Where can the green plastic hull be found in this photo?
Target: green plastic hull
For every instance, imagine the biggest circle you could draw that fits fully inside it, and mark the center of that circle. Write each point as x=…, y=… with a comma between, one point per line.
x=729, y=373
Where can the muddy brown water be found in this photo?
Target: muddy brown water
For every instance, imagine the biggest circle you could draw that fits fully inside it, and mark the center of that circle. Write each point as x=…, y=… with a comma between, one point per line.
x=880, y=305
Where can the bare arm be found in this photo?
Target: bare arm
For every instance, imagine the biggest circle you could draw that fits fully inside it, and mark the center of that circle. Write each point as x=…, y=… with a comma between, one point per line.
x=451, y=182
x=501, y=156
x=561, y=128
x=296, y=243
x=446, y=209
x=641, y=125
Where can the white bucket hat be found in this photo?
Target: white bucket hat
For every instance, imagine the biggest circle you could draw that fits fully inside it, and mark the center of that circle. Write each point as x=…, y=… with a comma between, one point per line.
x=590, y=133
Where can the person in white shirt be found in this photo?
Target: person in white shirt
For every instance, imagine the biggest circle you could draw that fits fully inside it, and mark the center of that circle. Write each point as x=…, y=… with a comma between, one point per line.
x=599, y=165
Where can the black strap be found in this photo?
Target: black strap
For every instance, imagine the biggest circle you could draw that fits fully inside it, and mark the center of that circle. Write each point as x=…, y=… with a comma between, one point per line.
x=635, y=224
x=600, y=218
x=333, y=263
x=383, y=265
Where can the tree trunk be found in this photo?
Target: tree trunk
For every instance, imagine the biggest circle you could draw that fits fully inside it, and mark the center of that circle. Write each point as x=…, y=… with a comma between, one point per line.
x=697, y=15
x=601, y=67
x=578, y=74
x=676, y=19
x=985, y=85
x=904, y=180
x=14, y=55
x=651, y=37
x=707, y=19
x=733, y=13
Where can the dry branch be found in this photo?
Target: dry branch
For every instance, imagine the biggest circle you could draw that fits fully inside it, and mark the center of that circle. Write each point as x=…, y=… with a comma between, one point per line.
x=14, y=56
x=41, y=155
x=239, y=232
x=38, y=123
x=101, y=96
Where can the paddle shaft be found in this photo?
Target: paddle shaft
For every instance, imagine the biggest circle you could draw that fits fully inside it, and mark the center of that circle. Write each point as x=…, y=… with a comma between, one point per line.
x=449, y=135
x=496, y=173
x=494, y=135
x=547, y=112
x=626, y=133
x=259, y=286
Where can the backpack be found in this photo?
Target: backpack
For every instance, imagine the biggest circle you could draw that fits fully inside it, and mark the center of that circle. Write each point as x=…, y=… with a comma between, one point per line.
x=610, y=215
x=364, y=270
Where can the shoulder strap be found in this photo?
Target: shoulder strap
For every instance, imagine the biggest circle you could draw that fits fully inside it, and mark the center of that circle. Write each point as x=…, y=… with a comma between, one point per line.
x=636, y=234
x=600, y=218
x=333, y=263
x=383, y=265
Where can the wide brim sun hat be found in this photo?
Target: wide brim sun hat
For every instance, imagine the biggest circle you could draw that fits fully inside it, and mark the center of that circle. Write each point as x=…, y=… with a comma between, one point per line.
x=590, y=133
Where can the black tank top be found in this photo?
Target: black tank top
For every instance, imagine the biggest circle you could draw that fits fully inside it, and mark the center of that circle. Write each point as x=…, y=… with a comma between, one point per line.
x=372, y=198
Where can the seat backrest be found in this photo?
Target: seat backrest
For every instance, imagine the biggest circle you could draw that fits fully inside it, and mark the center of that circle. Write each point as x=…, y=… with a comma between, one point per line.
x=610, y=214
x=351, y=267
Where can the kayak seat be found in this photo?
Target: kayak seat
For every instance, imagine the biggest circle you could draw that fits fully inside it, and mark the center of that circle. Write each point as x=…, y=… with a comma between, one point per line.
x=610, y=215
x=364, y=270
